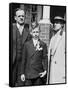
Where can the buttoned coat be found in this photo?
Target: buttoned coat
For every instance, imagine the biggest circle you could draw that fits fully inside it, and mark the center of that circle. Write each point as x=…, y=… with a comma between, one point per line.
x=57, y=60
x=15, y=61
x=26, y=37
x=34, y=62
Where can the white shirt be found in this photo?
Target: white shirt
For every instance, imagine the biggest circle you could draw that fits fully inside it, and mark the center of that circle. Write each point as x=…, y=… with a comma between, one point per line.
x=35, y=42
x=20, y=28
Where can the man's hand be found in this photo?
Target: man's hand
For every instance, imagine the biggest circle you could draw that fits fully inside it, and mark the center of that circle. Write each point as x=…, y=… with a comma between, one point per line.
x=42, y=74
x=23, y=77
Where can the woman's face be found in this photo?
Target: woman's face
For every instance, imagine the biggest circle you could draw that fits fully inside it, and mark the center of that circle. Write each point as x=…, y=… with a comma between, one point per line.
x=57, y=26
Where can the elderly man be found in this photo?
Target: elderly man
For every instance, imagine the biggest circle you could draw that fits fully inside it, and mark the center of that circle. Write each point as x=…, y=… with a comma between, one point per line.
x=20, y=36
x=56, y=53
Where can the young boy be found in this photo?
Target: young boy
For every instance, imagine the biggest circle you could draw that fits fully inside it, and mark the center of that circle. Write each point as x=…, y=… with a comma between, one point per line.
x=34, y=59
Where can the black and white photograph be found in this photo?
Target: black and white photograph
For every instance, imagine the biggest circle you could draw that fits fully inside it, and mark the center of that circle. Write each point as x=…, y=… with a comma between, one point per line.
x=37, y=44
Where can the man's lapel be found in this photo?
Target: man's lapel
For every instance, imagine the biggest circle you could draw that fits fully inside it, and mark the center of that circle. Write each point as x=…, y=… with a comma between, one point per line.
x=25, y=34
x=15, y=29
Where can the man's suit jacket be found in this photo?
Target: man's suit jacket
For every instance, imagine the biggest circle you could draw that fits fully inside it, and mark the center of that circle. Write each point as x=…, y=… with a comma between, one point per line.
x=33, y=62
x=16, y=61
x=26, y=37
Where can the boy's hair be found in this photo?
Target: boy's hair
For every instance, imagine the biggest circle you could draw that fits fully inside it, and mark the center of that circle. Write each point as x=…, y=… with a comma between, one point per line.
x=36, y=25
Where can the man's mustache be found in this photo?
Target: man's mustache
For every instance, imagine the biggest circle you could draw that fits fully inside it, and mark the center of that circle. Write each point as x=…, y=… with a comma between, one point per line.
x=36, y=36
x=21, y=19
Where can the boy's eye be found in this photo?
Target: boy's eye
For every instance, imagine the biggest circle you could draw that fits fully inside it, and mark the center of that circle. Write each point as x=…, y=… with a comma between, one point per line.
x=21, y=16
x=37, y=32
x=33, y=32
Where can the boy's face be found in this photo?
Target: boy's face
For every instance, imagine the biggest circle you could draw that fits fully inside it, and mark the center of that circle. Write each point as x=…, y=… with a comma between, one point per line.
x=35, y=33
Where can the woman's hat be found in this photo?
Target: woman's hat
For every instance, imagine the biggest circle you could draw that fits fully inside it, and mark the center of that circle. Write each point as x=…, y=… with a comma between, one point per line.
x=58, y=19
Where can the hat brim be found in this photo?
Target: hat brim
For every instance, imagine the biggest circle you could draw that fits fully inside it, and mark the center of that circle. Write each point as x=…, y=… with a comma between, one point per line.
x=58, y=20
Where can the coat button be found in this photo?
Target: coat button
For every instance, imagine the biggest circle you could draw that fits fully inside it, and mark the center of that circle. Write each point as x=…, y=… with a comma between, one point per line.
x=55, y=62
